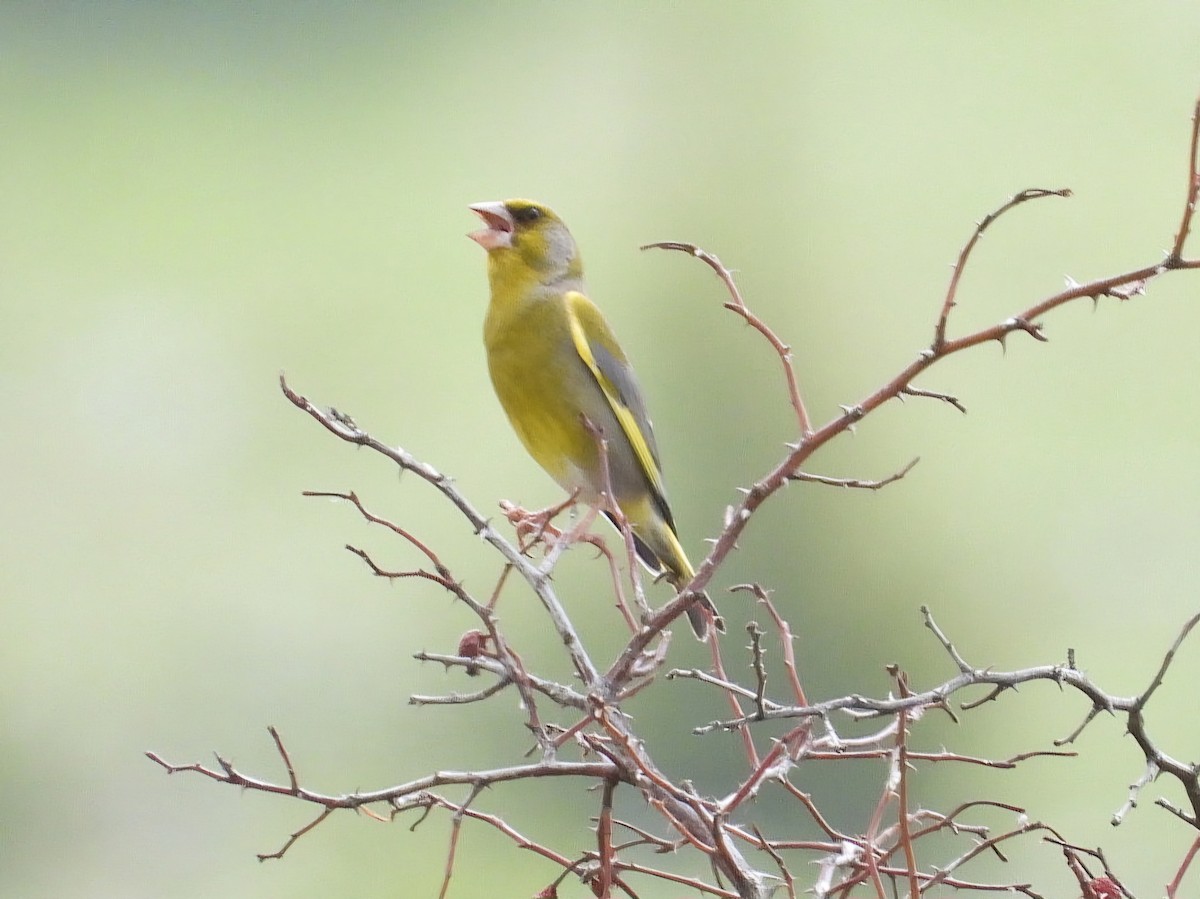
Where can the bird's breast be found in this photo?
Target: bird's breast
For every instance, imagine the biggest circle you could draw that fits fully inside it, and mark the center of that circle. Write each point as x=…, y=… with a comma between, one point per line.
x=539, y=381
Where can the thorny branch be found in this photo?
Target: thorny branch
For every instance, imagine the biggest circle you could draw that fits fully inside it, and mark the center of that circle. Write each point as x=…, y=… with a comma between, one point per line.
x=1123, y=285
x=880, y=859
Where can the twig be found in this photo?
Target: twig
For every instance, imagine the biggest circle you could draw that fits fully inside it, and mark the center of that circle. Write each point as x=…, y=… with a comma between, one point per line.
x=1173, y=886
x=294, y=836
x=738, y=305
x=1001, y=681
x=933, y=395
x=758, y=666
x=1025, y=321
x=1148, y=777
x=1193, y=188
x=786, y=640
x=789, y=882
x=1033, y=193
x=902, y=767
x=455, y=829
x=927, y=615
x=617, y=516
x=855, y=482
x=226, y=773
x=603, y=887
x=735, y=705
x=344, y=428
x=784, y=754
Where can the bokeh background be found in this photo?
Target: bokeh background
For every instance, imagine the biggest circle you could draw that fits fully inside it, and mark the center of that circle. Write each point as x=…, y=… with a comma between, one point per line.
x=198, y=196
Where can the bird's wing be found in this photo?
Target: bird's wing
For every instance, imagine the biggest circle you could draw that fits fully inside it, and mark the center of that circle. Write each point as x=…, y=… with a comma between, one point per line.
x=600, y=352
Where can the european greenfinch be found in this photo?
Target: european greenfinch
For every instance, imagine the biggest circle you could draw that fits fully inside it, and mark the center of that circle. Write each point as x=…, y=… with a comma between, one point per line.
x=562, y=378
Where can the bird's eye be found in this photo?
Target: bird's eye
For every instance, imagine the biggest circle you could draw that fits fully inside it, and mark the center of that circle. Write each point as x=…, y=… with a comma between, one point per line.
x=527, y=214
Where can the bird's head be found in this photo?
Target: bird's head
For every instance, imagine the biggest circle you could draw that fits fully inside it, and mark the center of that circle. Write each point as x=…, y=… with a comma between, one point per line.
x=524, y=240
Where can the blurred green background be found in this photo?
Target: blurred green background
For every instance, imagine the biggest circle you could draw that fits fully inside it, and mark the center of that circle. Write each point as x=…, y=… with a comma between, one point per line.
x=197, y=197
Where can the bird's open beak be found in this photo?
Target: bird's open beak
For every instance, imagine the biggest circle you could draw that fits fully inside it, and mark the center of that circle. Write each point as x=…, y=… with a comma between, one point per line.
x=499, y=221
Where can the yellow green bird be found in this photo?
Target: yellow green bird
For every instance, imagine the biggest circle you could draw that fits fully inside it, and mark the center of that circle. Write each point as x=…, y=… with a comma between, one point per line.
x=557, y=368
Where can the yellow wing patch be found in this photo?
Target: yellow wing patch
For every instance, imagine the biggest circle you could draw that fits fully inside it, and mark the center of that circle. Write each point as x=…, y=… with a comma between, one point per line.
x=576, y=303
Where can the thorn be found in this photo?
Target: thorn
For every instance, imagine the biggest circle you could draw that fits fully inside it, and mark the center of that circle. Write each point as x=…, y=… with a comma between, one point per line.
x=1128, y=291
x=1033, y=329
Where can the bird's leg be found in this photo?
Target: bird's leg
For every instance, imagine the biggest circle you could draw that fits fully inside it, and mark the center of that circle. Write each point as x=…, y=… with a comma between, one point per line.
x=563, y=540
x=534, y=527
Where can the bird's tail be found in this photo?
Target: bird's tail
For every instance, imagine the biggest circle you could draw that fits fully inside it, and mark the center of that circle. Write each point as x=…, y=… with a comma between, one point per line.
x=659, y=551
x=700, y=613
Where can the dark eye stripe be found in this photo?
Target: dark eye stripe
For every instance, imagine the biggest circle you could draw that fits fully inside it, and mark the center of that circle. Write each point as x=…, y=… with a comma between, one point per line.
x=527, y=214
